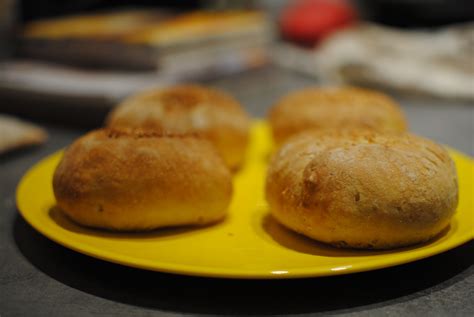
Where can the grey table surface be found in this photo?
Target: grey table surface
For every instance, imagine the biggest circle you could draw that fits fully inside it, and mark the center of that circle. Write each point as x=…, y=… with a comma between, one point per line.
x=40, y=278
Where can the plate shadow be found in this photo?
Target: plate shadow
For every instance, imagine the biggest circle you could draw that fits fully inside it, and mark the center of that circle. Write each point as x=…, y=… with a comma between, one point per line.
x=183, y=294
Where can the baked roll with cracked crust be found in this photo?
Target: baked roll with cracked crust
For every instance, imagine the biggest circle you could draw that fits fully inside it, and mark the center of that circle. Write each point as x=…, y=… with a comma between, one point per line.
x=189, y=108
x=334, y=108
x=361, y=189
x=140, y=180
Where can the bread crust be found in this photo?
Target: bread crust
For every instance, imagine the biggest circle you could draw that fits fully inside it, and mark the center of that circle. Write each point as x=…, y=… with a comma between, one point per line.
x=189, y=108
x=362, y=189
x=334, y=108
x=138, y=180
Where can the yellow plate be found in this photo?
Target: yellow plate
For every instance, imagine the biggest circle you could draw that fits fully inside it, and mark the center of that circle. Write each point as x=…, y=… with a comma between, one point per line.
x=248, y=244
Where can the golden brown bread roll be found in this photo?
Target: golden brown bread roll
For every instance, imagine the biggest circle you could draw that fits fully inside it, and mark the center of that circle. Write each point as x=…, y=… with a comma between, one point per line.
x=334, y=108
x=189, y=108
x=361, y=189
x=136, y=180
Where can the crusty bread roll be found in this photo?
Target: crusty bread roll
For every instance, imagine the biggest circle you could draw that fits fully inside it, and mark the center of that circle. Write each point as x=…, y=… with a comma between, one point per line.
x=334, y=108
x=137, y=180
x=189, y=108
x=362, y=189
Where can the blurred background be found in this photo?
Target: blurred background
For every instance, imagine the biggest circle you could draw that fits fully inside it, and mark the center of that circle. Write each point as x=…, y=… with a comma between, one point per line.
x=69, y=62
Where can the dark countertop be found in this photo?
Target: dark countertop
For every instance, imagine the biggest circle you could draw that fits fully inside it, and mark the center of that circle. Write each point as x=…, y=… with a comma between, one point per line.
x=40, y=278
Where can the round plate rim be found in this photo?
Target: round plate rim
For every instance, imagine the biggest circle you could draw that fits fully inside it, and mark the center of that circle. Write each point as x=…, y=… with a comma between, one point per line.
x=201, y=271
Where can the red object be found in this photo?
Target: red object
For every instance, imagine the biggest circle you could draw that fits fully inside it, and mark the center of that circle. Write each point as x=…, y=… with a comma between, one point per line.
x=309, y=21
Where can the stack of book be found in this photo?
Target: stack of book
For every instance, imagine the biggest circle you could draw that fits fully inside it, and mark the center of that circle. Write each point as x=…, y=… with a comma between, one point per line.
x=188, y=43
x=90, y=62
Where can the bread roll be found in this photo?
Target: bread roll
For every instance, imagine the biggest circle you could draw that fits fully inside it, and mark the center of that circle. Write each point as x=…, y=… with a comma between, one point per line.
x=362, y=189
x=136, y=180
x=334, y=108
x=189, y=108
